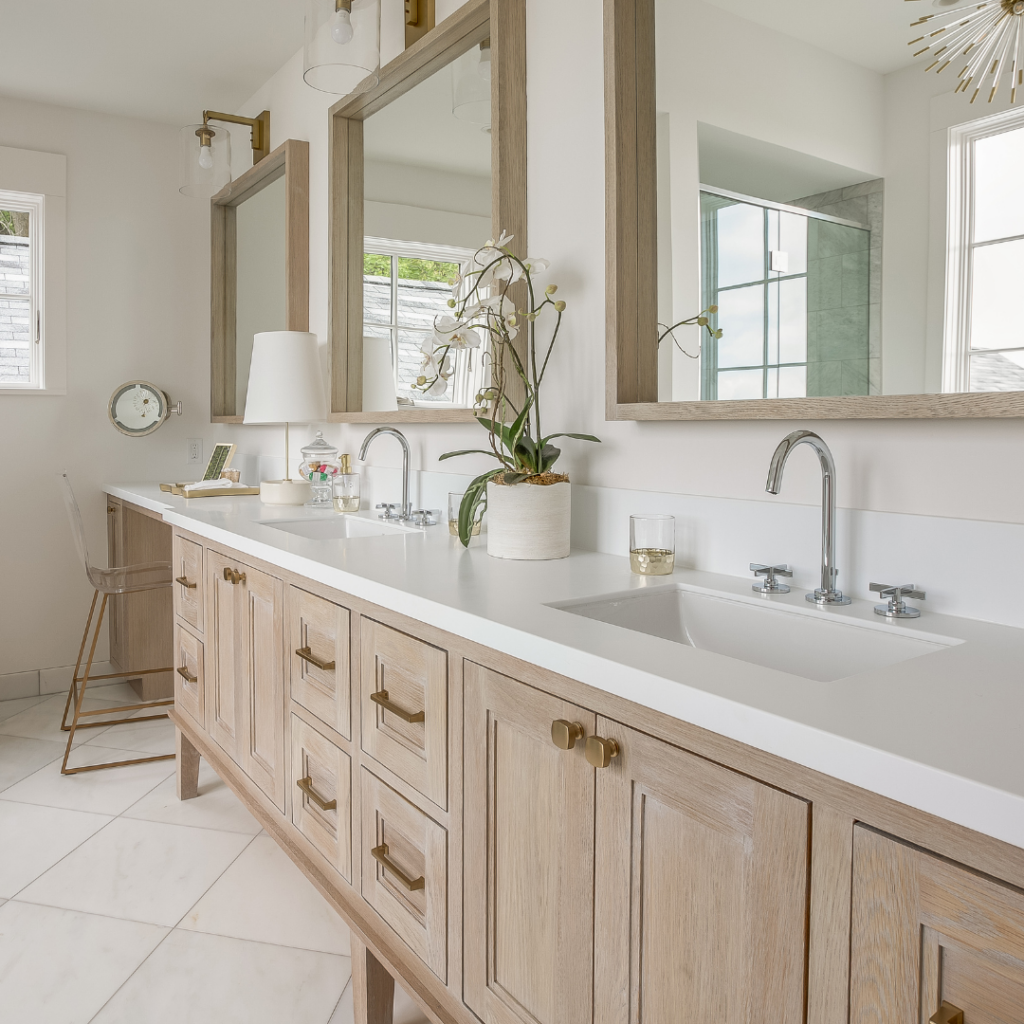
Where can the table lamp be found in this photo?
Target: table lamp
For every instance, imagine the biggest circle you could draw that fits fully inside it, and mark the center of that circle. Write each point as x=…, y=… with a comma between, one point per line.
x=285, y=386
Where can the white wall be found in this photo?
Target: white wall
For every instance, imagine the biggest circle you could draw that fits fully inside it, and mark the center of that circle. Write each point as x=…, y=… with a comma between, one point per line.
x=137, y=307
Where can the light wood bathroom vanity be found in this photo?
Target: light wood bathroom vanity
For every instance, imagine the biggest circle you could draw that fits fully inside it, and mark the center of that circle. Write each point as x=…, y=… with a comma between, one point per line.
x=523, y=847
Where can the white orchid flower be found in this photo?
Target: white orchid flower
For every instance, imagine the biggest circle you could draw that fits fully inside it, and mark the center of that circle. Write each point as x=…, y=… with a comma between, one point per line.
x=465, y=338
x=445, y=324
x=537, y=265
x=504, y=240
x=439, y=387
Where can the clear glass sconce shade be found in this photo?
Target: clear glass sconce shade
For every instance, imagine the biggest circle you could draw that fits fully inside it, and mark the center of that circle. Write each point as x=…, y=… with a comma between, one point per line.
x=203, y=170
x=342, y=49
x=471, y=85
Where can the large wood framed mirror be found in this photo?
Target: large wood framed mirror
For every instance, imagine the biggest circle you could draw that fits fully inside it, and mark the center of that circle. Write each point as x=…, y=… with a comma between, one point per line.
x=854, y=220
x=424, y=168
x=259, y=268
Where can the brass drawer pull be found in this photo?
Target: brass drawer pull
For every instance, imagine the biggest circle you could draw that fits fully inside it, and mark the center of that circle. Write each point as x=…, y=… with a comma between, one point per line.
x=306, y=785
x=947, y=1013
x=381, y=697
x=565, y=734
x=600, y=751
x=233, y=577
x=186, y=675
x=307, y=655
x=380, y=855
x=183, y=580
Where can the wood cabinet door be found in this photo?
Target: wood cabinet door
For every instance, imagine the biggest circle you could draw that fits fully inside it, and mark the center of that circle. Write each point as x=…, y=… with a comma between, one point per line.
x=226, y=665
x=261, y=659
x=318, y=650
x=701, y=888
x=928, y=932
x=528, y=856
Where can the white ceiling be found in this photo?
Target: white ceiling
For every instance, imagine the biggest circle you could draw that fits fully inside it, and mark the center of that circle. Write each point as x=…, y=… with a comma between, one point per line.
x=163, y=61
x=872, y=33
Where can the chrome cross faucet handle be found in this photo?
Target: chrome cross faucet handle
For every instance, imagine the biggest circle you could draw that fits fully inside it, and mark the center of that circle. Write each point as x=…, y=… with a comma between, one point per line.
x=771, y=585
x=389, y=511
x=897, y=608
x=425, y=516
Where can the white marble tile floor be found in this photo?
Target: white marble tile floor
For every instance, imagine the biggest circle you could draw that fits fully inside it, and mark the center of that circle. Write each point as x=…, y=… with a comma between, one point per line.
x=119, y=904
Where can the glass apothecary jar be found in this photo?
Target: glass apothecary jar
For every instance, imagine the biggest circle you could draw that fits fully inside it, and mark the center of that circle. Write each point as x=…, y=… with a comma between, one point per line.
x=320, y=466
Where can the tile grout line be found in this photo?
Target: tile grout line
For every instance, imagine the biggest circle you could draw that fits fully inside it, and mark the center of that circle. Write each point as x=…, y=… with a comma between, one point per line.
x=348, y=985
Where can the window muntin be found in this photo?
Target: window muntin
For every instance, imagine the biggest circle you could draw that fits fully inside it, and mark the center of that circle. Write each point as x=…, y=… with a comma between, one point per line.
x=21, y=362
x=406, y=286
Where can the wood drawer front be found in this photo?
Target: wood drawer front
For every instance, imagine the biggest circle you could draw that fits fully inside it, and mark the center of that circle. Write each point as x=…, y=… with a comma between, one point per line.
x=328, y=771
x=320, y=630
x=189, y=676
x=926, y=931
x=187, y=563
x=418, y=849
x=414, y=675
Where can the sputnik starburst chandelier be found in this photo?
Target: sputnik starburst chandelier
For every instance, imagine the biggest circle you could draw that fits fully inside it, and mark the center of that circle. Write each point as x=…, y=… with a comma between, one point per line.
x=988, y=36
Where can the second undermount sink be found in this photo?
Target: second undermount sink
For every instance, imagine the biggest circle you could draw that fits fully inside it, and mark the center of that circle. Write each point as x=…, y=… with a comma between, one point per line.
x=338, y=527
x=815, y=644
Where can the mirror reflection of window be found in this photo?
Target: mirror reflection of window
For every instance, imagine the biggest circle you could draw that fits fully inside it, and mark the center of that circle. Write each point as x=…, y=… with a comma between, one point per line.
x=426, y=210
x=406, y=286
x=19, y=291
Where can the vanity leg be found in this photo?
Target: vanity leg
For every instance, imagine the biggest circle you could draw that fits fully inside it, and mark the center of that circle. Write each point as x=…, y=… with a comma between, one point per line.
x=373, y=989
x=188, y=767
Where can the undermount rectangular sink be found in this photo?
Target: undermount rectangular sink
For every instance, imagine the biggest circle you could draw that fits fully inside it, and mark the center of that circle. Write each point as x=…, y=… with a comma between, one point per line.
x=811, y=642
x=338, y=527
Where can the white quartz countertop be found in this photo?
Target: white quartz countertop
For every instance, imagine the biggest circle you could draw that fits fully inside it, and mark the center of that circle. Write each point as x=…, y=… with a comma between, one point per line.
x=943, y=733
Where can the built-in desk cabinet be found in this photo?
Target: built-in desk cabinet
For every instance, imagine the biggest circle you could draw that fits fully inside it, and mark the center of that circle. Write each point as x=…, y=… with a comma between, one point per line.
x=521, y=848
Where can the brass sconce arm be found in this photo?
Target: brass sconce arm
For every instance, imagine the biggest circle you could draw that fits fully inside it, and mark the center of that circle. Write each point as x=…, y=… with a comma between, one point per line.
x=260, y=129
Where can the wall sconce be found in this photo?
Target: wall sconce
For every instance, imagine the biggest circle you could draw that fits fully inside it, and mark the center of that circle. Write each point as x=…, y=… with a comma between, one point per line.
x=419, y=20
x=471, y=86
x=205, y=152
x=341, y=54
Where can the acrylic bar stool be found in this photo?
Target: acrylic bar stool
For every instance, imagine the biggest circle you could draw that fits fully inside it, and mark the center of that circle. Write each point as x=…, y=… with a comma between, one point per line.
x=128, y=579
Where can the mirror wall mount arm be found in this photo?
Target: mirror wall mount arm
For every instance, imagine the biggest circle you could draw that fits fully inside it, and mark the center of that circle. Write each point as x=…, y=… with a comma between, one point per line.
x=259, y=130
x=631, y=241
x=504, y=23
x=291, y=161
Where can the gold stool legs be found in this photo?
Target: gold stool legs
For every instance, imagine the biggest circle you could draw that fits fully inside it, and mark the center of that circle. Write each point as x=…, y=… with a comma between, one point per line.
x=78, y=695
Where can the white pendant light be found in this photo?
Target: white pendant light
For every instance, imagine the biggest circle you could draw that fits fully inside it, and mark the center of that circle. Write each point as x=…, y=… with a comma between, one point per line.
x=471, y=85
x=341, y=54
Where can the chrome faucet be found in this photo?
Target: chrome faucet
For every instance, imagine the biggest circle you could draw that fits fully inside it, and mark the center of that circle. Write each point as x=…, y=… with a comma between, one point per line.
x=406, y=508
x=826, y=593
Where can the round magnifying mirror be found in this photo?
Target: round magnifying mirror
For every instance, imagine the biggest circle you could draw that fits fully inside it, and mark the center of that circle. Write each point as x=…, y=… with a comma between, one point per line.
x=137, y=408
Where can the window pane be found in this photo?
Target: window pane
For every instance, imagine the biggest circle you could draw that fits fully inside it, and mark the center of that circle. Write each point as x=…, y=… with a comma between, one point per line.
x=787, y=382
x=15, y=258
x=736, y=384
x=998, y=198
x=410, y=361
x=413, y=269
x=997, y=371
x=376, y=288
x=787, y=321
x=420, y=301
x=997, y=300
x=740, y=244
x=15, y=341
x=741, y=320
x=14, y=222
x=793, y=241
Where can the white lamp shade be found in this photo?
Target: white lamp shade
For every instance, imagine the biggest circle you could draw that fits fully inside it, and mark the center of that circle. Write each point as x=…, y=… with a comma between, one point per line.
x=285, y=382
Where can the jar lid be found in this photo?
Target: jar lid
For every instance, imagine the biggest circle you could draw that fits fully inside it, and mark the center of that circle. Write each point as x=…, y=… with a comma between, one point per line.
x=319, y=449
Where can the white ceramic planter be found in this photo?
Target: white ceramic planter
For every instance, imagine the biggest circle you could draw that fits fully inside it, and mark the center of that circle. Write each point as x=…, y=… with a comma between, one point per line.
x=528, y=521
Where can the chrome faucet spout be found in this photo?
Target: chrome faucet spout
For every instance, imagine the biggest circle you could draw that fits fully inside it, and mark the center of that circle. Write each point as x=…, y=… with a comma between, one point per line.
x=827, y=592
x=376, y=432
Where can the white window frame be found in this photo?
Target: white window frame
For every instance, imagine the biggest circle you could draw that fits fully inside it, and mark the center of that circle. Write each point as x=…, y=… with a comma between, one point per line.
x=464, y=385
x=956, y=348
x=37, y=183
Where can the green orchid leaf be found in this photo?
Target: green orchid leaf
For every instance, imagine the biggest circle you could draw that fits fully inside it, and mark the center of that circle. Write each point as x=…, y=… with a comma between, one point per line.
x=515, y=478
x=548, y=457
x=579, y=437
x=475, y=496
x=468, y=451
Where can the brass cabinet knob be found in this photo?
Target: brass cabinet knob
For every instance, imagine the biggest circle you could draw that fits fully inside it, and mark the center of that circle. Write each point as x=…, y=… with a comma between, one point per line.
x=565, y=734
x=947, y=1013
x=601, y=751
x=233, y=577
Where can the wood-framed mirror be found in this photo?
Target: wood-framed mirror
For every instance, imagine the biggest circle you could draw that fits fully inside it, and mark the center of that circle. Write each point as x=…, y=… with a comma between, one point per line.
x=799, y=171
x=259, y=268
x=424, y=168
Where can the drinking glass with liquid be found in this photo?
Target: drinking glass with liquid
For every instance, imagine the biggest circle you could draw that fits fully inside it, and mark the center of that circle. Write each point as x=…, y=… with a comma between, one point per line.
x=652, y=545
x=454, y=504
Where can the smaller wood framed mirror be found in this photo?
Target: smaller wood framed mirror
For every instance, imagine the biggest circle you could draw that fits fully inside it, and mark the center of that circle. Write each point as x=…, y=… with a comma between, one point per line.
x=424, y=168
x=259, y=268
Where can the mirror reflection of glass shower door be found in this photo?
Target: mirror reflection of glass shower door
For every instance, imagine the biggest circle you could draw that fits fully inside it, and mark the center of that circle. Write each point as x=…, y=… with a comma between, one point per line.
x=792, y=298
